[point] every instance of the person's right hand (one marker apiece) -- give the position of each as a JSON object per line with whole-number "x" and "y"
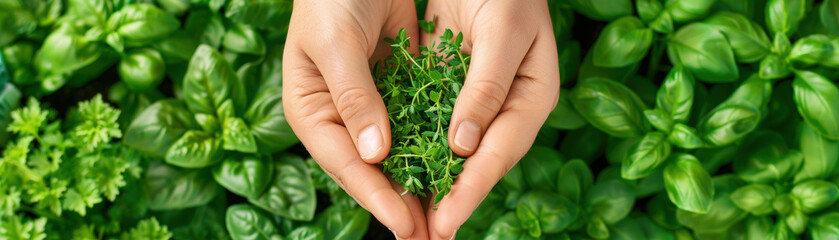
{"x": 332, "y": 104}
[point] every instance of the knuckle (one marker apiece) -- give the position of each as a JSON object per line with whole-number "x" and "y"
{"x": 488, "y": 96}
{"x": 351, "y": 103}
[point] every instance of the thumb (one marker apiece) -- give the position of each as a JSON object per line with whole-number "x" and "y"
{"x": 494, "y": 64}
{"x": 356, "y": 99}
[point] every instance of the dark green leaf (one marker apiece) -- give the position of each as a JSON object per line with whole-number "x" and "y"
{"x": 343, "y": 224}
{"x": 816, "y": 99}
{"x": 575, "y": 179}
{"x": 195, "y": 149}
{"x": 158, "y": 127}
{"x": 172, "y": 188}
{"x": 722, "y": 214}
{"x": 602, "y": 10}
{"x": 291, "y": 193}
{"x": 244, "y": 222}
{"x": 610, "y": 107}
{"x": 825, "y": 226}
{"x": 508, "y": 227}
{"x": 645, "y": 156}
{"x": 564, "y": 116}
{"x": 541, "y": 165}
{"x": 756, "y": 199}
{"x": 623, "y": 42}
{"x": 247, "y": 176}
{"x": 243, "y": 39}
{"x": 209, "y": 81}
{"x": 554, "y": 212}
{"x": 688, "y": 185}
{"x": 765, "y": 158}
{"x": 259, "y": 13}
{"x": 268, "y": 123}
{"x": 140, "y": 24}
{"x": 704, "y": 51}
{"x": 610, "y": 200}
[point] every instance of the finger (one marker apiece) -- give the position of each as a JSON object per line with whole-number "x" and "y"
{"x": 315, "y": 120}
{"x": 508, "y": 138}
{"x": 495, "y": 61}
{"x": 417, "y": 212}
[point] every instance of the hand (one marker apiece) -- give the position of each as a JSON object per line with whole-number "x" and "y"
{"x": 332, "y": 104}
{"x": 511, "y": 87}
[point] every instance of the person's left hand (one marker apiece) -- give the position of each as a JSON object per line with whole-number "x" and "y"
{"x": 511, "y": 87}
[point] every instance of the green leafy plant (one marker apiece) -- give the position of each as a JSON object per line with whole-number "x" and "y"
{"x": 420, "y": 93}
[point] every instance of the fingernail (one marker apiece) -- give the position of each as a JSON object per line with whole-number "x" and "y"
{"x": 369, "y": 141}
{"x": 397, "y": 237}
{"x": 468, "y": 135}
{"x": 453, "y": 235}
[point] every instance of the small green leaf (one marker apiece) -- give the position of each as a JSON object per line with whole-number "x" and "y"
{"x": 142, "y": 69}
{"x": 659, "y": 119}
{"x": 623, "y": 42}
{"x": 783, "y": 16}
{"x": 140, "y": 24}
{"x": 610, "y": 200}
{"x": 245, "y": 222}
{"x": 610, "y": 106}
{"x": 575, "y": 179}
{"x": 728, "y": 123}
{"x": 248, "y": 176}
{"x": 684, "y": 137}
{"x": 825, "y": 226}
{"x": 645, "y": 156}
{"x": 171, "y": 188}
{"x": 756, "y": 199}
{"x": 243, "y": 39}
{"x": 748, "y": 40}
{"x": 554, "y": 212}
{"x": 816, "y": 99}
{"x": 195, "y": 149}
{"x": 291, "y": 193}
{"x": 820, "y": 155}
{"x": 237, "y": 136}
{"x": 811, "y": 50}
{"x": 704, "y": 51}
{"x": 797, "y": 222}
{"x": 688, "y": 185}
{"x": 687, "y": 10}
{"x": 814, "y": 195}
{"x": 675, "y": 96}
{"x": 209, "y": 81}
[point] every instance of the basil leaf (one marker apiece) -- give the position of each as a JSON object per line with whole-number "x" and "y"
{"x": 662, "y": 211}
{"x": 542, "y": 165}
{"x": 659, "y": 119}
{"x": 195, "y": 149}
{"x": 704, "y": 51}
{"x": 9, "y": 100}
{"x": 687, "y": 10}
{"x": 66, "y": 50}
{"x": 209, "y": 81}
{"x": 816, "y": 99}
{"x": 158, "y": 127}
{"x": 602, "y": 10}
{"x": 728, "y": 123}
{"x": 141, "y": 24}
{"x": 773, "y": 67}
{"x": 243, "y": 39}
{"x": 623, "y": 42}
{"x": 811, "y": 50}
{"x": 765, "y": 158}
{"x": 684, "y": 137}
{"x": 722, "y": 214}
{"x": 829, "y": 17}
{"x": 175, "y": 7}
{"x": 268, "y": 123}
{"x": 628, "y": 229}
{"x": 610, "y": 107}
{"x": 259, "y": 13}
{"x": 675, "y": 96}
{"x": 508, "y": 227}
{"x": 597, "y": 229}
{"x": 610, "y": 200}
{"x": 343, "y": 224}
{"x": 569, "y": 59}
{"x": 648, "y": 10}
{"x": 585, "y": 143}
{"x": 91, "y": 12}
{"x": 814, "y": 195}
{"x": 618, "y": 149}
{"x": 244, "y": 222}
{"x": 564, "y": 116}
{"x": 247, "y": 176}
{"x": 553, "y": 212}
{"x": 575, "y": 179}
{"x": 756, "y": 199}
{"x": 237, "y": 136}
{"x": 820, "y": 155}
{"x": 645, "y": 156}
{"x": 589, "y": 71}
{"x": 176, "y": 48}
{"x": 797, "y": 222}
{"x": 758, "y": 228}
{"x": 291, "y": 193}
{"x": 172, "y": 188}
{"x": 783, "y": 16}
{"x": 688, "y": 185}
{"x": 529, "y": 220}
{"x": 206, "y": 27}
{"x": 825, "y": 226}
{"x": 306, "y": 233}
{"x": 514, "y": 179}
{"x": 142, "y": 69}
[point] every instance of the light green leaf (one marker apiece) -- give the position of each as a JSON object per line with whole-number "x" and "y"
{"x": 748, "y": 40}
{"x": 816, "y": 99}
{"x": 704, "y": 51}
{"x": 610, "y": 106}
{"x": 141, "y": 24}
{"x": 247, "y": 176}
{"x": 783, "y": 16}
{"x": 814, "y": 195}
{"x": 291, "y": 193}
{"x": 195, "y": 149}
{"x": 645, "y": 156}
{"x": 171, "y": 188}
{"x": 244, "y": 222}
{"x": 756, "y": 199}
{"x": 237, "y": 136}
{"x": 623, "y": 42}
{"x": 688, "y": 185}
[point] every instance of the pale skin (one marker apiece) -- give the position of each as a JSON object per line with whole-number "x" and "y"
{"x": 332, "y": 104}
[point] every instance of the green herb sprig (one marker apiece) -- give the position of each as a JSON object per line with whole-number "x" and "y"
{"x": 420, "y": 93}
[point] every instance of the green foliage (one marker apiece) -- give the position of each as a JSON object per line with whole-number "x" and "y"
{"x": 420, "y": 93}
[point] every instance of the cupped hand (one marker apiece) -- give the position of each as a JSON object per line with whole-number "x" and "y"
{"x": 331, "y": 102}
{"x": 511, "y": 87}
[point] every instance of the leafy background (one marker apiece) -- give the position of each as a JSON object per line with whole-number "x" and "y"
{"x": 677, "y": 119}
